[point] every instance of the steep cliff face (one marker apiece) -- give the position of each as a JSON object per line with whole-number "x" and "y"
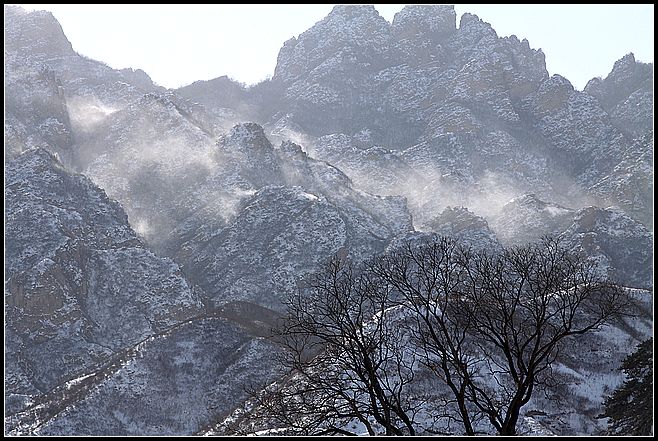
{"x": 80, "y": 284}
{"x": 389, "y": 78}
{"x": 93, "y": 318}
{"x": 43, "y": 71}
{"x": 626, "y": 94}
{"x": 290, "y": 213}
{"x": 35, "y": 108}
{"x": 621, "y": 245}
{"x": 36, "y": 34}
{"x": 460, "y": 111}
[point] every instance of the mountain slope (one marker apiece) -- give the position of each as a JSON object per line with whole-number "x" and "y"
{"x": 79, "y": 282}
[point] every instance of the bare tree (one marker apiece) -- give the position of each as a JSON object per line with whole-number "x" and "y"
{"x": 428, "y": 279}
{"x": 522, "y": 305}
{"x": 489, "y": 325}
{"x": 347, "y": 361}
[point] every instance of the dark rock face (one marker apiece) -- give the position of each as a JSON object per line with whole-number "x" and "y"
{"x": 35, "y": 108}
{"x": 219, "y": 90}
{"x": 626, "y": 94}
{"x": 466, "y": 227}
{"x": 34, "y": 34}
{"x": 80, "y": 284}
{"x": 419, "y": 29}
{"x": 94, "y": 318}
{"x": 620, "y": 245}
{"x": 386, "y": 76}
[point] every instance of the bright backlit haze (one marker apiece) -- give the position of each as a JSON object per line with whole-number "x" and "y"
{"x": 179, "y": 44}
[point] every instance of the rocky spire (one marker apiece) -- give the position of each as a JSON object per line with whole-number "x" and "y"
{"x": 626, "y": 77}
{"x": 435, "y": 22}
{"x": 37, "y": 34}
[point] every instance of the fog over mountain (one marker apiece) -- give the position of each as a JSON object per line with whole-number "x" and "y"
{"x": 153, "y": 236}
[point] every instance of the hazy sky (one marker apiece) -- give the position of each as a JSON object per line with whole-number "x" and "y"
{"x": 179, "y": 44}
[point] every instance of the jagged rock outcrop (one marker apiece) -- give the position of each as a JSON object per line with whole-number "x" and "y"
{"x": 416, "y": 61}
{"x": 218, "y": 93}
{"x": 80, "y": 284}
{"x": 621, "y": 246}
{"x": 528, "y": 218}
{"x": 291, "y": 213}
{"x": 630, "y": 183}
{"x": 36, "y": 112}
{"x": 465, "y": 227}
{"x": 35, "y": 42}
{"x": 35, "y": 34}
{"x": 626, "y": 94}
{"x": 420, "y": 30}
{"x": 460, "y": 102}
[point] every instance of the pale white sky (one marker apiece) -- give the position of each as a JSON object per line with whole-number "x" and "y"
{"x": 179, "y": 44}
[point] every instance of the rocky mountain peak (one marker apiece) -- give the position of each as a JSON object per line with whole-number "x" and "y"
{"x": 526, "y": 218}
{"x": 629, "y": 73}
{"x": 594, "y": 86}
{"x": 464, "y": 225}
{"x": 137, "y": 77}
{"x": 627, "y": 95}
{"x": 37, "y": 33}
{"x": 624, "y": 66}
{"x": 529, "y": 200}
{"x": 348, "y": 32}
{"x": 473, "y": 24}
{"x": 13, "y": 11}
{"x": 354, "y": 11}
{"x": 433, "y": 21}
{"x": 291, "y": 149}
{"x": 250, "y": 135}
{"x": 552, "y": 94}
{"x": 460, "y": 215}
{"x": 357, "y": 24}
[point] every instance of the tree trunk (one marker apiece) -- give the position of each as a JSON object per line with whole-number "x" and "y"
{"x": 509, "y": 426}
{"x": 465, "y": 418}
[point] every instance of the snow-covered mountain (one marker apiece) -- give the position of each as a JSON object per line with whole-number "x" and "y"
{"x": 571, "y": 403}
{"x": 153, "y": 235}
{"x": 92, "y": 314}
{"x": 80, "y": 284}
{"x": 459, "y": 112}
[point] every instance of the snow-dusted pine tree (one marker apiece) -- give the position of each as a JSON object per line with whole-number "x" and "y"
{"x": 630, "y": 408}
